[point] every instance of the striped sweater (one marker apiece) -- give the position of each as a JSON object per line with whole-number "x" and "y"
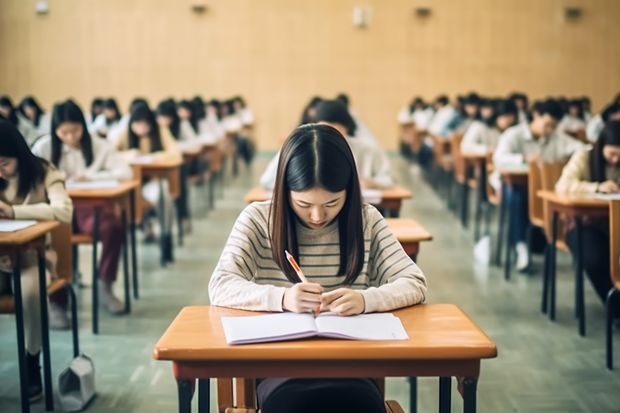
{"x": 247, "y": 277}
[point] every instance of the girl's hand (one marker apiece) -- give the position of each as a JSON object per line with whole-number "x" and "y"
{"x": 6, "y": 211}
{"x": 343, "y": 301}
{"x": 302, "y": 297}
{"x": 608, "y": 187}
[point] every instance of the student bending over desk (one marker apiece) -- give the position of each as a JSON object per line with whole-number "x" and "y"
{"x": 352, "y": 261}
{"x": 590, "y": 171}
{"x": 30, "y": 188}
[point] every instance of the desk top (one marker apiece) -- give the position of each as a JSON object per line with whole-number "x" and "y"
{"x": 396, "y": 192}
{"x": 158, "y": 162}
{"x": 28, "y": 234}
{"x": 572, "y": 200}
{"x": 122, "y": 188}
{"x": 436, "y": 331}
{"x": 408, "y": 230}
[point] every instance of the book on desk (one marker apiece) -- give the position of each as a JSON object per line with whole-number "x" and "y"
{"x": 12, "y": 225}
{"x": 292, "y": 326}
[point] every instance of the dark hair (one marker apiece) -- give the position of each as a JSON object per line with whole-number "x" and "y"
{"x": 609, "y": 136}
{"x": 305, "y": 116}
{"x": 111, "y": 104}
{"x": 31, "y": 101}
{"x": 519, "y": 96}
{"x": 343, "y": 98}
{"x": 317, "y": 156}
{"x": 199, "y": 107}
{"x": 610, "y": 110}
{"x": 442, "y": 100}
{"x": 7, "y": 102}
{"x": 416, "y": 102}
{"x": 96, "y": 103}
{"x": 169, "y": 109}
{"x": 31, "y": 169}
{"x": 335, "y": 112}
{"x": 549, "y": 107}
{"x": 137, "y": 101}
{"x": 193, "y": 120}
{"x": 239, "y": 99}
{"x": 505, "y": 107}
{"x": 576, "y": 103}
{"x": 69, "y": 111}
{"x": 143, "y": 114}
{"x": 218, "y": 107}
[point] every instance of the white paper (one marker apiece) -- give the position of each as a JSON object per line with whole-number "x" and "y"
{"x": 376, "y": 326}
{"x": 613, "y": 197}
{"x": 372, "y": 196}
{"x": 97, "y": 184}
{"x": 12, "y": 225}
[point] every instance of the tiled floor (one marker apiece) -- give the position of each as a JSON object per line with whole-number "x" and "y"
{"x": 542, "y": 366}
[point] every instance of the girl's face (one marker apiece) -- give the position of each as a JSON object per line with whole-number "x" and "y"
{"x": 505, "y": 121}
{"x": 611, "y": 153}
{"x": 8, "y": 167}
{"x": 486, "y": 112}
{"x": 110, "y": 113}
{"x": 30, "y": 112}
{"x": 471, "y": 110}
{"x": 140, "y": 127}
{"x": 573, "y": 111}
{"x": 164, "y": 120}
{"x": 70, "y": 133}
{"x": 316, "y": 208}
{"x": 184, "y": 113}
{"x": 5, "y": 111}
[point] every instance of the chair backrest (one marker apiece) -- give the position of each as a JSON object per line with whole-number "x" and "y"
{"x": 61, "y": 244}
{"x": 549, "y": 175}
{"x": 614, "y": 242}
{"x": 460, "y": 174}
{"x": 534, "y": 203}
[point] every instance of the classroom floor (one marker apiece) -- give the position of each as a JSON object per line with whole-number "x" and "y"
{"x": 542, "y": 366}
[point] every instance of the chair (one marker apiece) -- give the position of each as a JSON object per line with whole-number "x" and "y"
{"x": 237, "y": 395}
{"x": 60, "y": 244}
{"x": 462, "y": 176}
{"x": 614, "y": 292}
{"x": 443, "y": 164}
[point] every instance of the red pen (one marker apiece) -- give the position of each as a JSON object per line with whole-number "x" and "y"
{"x": 300, "y": 274}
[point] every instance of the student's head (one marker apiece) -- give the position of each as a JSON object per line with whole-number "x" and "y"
{"x": 336, "y": 115}
{"x": 545, "y": 117}
{"x": 471, "y": 105}
{"x": 611, "y": 112}
{"x": 506, "y": 114}
{"x": 417, "y": 104}
{"x": 69, "y": 128}
{"x": 520, "y": 99}
{"x": 96, "y": 107}
{"x": 317, "y": 184}
{"x": 214, "y": 108}
{"x": 606, "y": 151}
{"x": 586, "y": 104}
{"x": 574, "y": 108}
{"x": 138, "y": 101}
{"x": 199, "y": 107}
{"x": 239, "y": 103}
{"x": 142, "y": 124}
{"x": 309, "y": 113}
{"x": 343, "y": 98}
{"x": 30, "y": 108}
{"x": 111, "y": 111}
{"x": 16, "y": 160}
{"x": 167, "y": 117}
{"x": 487, "y": 109}
{"x": 7, "y": 110}
{"x": 441, "y": 101}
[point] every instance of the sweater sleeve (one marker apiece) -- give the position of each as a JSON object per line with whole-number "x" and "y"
{"x": 575, "y": 176}
{"x": 232, "y": 282}
{"x": 398, "y": 281}
{"x": 59, "y": 206}
{"x": 473, "y": 140}
{"x": 171, "y": 149}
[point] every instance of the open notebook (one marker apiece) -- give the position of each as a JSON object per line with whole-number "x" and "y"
{"x": 97, "y": 184}
{"x": 290, "y": 326}
{"x": 12, "y": 225}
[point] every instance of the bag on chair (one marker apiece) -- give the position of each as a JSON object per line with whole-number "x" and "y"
{"x": 76, "y": 384}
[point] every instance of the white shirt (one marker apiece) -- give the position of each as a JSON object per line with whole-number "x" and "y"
{"x": 107, "y": 162}
{"x": 363, "y": 133}
{"x": 27, "y": 129}
{"x": 479, "y": 137}
{"x": 571, "y": 124}
{"x": 594, "y": 128}
{"x": 247, "y": 117}
{"x": 45, "y": 124}
{"x": 101, "y": 127}
{"x": 422, "y": 118}
{"x": 440, "y": 121}
{"x": 405, "y": 116}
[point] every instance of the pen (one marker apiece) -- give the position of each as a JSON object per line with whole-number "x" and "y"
{"x": 299, "y": 273}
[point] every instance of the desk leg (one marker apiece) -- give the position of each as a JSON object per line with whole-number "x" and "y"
{"x": 185, "y": 396}
{"x": 132, "y": 235}
{"x": 45, "y": 336}
{"x": 509, "y": 246}
{"x": 126, "y": 263}
{"x": 21, "y": 342}
{"x": 500, "y": 230}
{"x": 469, "y": 395}
{"x": 95, "y": 284}
{"x": 552, "y": 263}
{"x": 445, "y": 389}
{"x": 579, "y": 293}
{"x": 413, "y": 394}
{"x": 165, "y": 232}
{"x": 204, "y": 396}
{"x": 465, "y": 204}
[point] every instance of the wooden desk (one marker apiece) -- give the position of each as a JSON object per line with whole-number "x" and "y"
{"x": 391, "y": 198}
{"x": 443, "y": 342}
{"x": 577, "y": 207}
{"x": 409, "y": 233}
{"x": 125, "y": 194}
{"x": 12, "y": 244}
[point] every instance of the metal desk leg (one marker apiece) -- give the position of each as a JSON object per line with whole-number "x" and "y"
{"x": 126, "y": 263}
{"x": 95, "y": 287}
{"x": 500, "y": 230}
{"x": 445, "y": 390}
{"x": 45, "y": 336}
{"x": 552, "y": 263}
{"x": 204, "y": 395}
{"x": 21, "y": 342}
{"x": 469, "y": 395}
{"x": 132, "y": 235}
{"x": 413, "y": 394}
{"x": 579, "y": 293}
{"x": 185, "y": 396}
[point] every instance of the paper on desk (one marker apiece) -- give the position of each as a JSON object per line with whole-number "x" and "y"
{"x": 100, "y": 184}
{"x": 612, "y": 197}
{"x": 12, "y": 225}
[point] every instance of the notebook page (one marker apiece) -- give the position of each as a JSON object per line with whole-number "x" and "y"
{"x": 99, "y": 184}
{"x": 12, "y": 225}
{"x": 612, "y": 197}
{"x": 376, "y": 326}
{"x": 269, "y": 327}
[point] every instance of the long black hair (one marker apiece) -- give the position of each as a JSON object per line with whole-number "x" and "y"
{"x": 168, "y": 109}
{"x": 609, "y": 136}
{"x": 8, "y": 103}
{"x": 69, "y": 111}
{"x": 334, "y": 111}
{"x": 317, "y": 156}
{"x": 31, "y": 169}
{"x": 111, "y": 104}
{"x": 193, "y": 119}
{"x": 144, "y": 114}
{"x": 32, "y": 102}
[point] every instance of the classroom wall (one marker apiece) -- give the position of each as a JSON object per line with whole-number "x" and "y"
{"x": 278, "y": 53}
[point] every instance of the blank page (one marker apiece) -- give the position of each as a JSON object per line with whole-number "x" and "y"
{"x": 11, "y": 225}
{"x": 270, "y": 327}
{"x": 376, "y": 326}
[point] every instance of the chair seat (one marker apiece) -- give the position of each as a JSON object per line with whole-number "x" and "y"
{"x": 81, "y": 239}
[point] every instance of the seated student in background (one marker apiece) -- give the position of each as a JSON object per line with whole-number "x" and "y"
{"x": 30, "y": 188}
{"x": 244, "y": 113}
{"x": 80, "y": 157}
{"x": 362, "y": 132}
{"x": 372, "y": 163}
{"x": 521, "y": 100}
{"x": 308, "y": 115}
{"x": 468, "y": 113}
{"x": 586, "y": 107}
{"x": 444, "y": 114}
{"x": 96, "y": 109}
{"x": 352, "y": 261}
{"x": 9, "y": 113}
{"x": 144, "y": 137}
{"x": 573, "y": 122}
{"x": 482, "y": 135}
{"x": 234, "y": 130}
{"x": 31, "y": 110}
{"x": 212, "y": 126}
{"x": 595, "y": 125}
{"x": 538, "y": 140}
{"x": 118, "y": 129}
{"x": 106, "y": 121}
{"x": 589, "y": 171}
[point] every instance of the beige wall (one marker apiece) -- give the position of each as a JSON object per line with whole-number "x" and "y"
{"x": 280, "y": 52}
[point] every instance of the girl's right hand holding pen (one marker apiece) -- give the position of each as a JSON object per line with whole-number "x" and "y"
{"x": 302, "y": 297}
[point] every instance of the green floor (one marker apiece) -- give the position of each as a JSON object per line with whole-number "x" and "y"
{"x": 542, "y": 366}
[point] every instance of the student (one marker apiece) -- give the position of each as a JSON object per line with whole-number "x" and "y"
{"x": 31, "y": 110}
{"x": 468, "y": 113}
{"x": 610, "y": 113}
{"x": 72, "y": 150}
{"x": 373, "y": 165}
{"x": 96, "y": 109}
{"x": 521, "y": 100}
{"x": 245, "y": 113}
{"x": 30, "y": 188}
{"x": 144, "y": 137}
{"x": 589, "y": 171}
{"x": 25, "y": 127}
{"x": 351, "y": 259}
{"x": 106, "y": 121}
{"x": 573, "y": 122}
{"x": 482, "y": 135}
{"x": 362, "y": 132}
{"x": 527, "y": 142}
{"x": 309, "y": 112}
{"x": 119, "y": 128}
{"x": 444, "y": 114}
